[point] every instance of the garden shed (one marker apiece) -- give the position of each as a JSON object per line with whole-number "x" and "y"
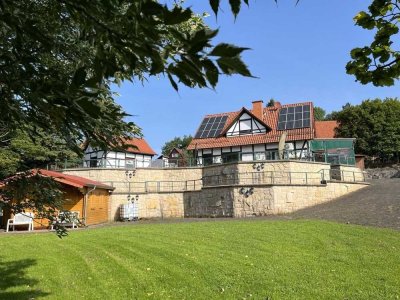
{"x": 89, "y": 198}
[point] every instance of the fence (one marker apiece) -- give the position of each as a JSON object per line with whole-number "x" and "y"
{"x": 114, "y": 163}
{"x": 268, "y": 177}
{"x": 123, "y": 187}
{"x": 245, "y": 178}
{"x": 282, "y": 177}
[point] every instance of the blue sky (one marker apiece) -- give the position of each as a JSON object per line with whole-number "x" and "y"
{"x": 298, "y": 52}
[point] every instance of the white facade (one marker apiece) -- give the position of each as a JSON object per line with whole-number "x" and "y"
{"x": 246, "y": 125}
{"x": 115, "y": 159}
{"x": 293, "y": 150}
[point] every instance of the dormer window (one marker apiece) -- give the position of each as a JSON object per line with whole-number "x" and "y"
{"x": 245, "y": 125}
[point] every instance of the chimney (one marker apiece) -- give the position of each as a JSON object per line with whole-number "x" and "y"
{"x": 258, "y": 109}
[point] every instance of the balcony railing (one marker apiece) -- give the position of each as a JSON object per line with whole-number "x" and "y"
{"x": 244, "y": 178}
{"x": 270, "y": 155}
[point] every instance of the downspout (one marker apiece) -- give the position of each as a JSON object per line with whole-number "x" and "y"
{"x": 85, "y": 200}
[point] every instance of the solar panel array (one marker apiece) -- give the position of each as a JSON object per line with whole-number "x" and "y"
{"x": 211, "y": 127}
{"x": 294, "y": 117}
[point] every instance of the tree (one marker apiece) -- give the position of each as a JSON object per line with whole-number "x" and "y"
{"x": 375, "y": 125}
{"x": 319, "y": 113}
{"x": 21, "y": 152}
{"x": 59, "y": 59}
{"x": 379, "y": 62}
{"x": 271, "y": 102}
{"x": 176, "y": 142}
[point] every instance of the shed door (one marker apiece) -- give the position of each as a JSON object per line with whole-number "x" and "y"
{"x": 97, "y": 207}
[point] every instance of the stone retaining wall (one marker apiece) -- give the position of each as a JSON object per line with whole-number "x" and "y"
{"x": 264, "y": 199}
{"x": 283, "y": 195}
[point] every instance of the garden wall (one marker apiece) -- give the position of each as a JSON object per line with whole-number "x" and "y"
{"x": 178, "y": 192}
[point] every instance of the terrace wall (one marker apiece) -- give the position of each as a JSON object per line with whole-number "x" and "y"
{"x": 278, "y": 187}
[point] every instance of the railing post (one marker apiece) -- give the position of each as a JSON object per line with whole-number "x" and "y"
{"x": 306, "y": 178}
{"x": 354, "y": 177}
{"x": 158, "y": 186}
{"x": 290, "y": 177}
{"x": 145, "y": 187}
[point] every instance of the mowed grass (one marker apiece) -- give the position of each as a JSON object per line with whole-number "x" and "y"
{"x": 249, "y": 259}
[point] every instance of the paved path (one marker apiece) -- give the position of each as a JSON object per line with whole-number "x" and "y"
{"x": 375, "y": 205}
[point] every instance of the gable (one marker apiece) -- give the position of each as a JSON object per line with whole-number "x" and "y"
{"x": 246, "y": 124}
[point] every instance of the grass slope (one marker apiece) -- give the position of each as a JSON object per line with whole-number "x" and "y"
{"x": 254, "y": 259}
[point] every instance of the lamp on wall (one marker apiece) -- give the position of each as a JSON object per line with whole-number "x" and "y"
{"x": 246, "y": 191}
{"x": 133, "y": 198}
{"x": 258, "y": 166}
{"x": 130, "y": 173}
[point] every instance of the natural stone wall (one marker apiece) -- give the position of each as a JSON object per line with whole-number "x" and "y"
{"x": 141, "y": 174}
{"x": 161, "y": 205}
{"x": 213, "y": 202}
{"x": 264, "y": 199}
{"x": 260, "y": 203}
{"x": 288, "y": 199}
{"x": 285, "y": 193}
{"x": 387, "y": 172}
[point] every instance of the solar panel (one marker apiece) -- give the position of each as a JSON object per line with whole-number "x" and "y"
{"x": 211, "y": 127}
{"x": 294, "y": 117}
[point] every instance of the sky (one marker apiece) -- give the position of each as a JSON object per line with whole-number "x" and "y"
{"x": 299, "y": 53}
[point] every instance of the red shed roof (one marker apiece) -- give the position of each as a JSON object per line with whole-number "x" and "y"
{"x": 325, "y": 129}
{"x": 75, "y": 181}
{"x": 270, "y": 118}
{"x": 139, "y": 146}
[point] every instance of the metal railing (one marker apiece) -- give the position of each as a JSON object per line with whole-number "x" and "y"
{"x": 245, "y": 178}
{"x": 347, "y": 176}
{"x": 266, "y": 177}
{"x": 283, "y": 177}
{"x": 122, "y": 187}
{"x": 112, "y": 163}
{"x": 269, "y": 155}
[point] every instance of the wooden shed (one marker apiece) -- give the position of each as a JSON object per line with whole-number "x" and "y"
{"x": 91, "y": 199}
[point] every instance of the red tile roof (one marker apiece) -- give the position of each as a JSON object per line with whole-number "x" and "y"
{"x": 180, "y": 152}
{"x": 75, "y": 181}
{"x": 270, "y": 118}
{"x": 139, "y": 146}
{"x": 325, "y": 129}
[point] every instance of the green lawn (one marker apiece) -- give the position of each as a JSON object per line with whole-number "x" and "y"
{"x": 251, "y": 259}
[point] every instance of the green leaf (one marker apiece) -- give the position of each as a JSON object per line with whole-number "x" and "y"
{"x": 233, "y": 65}
{"x": 211, "y": 72}
{"x": 215, "y": 6}
{"x": 235, "y": 6}
{"x": 227, "y": 50}
{"x": 177, "y": 15}
{"x": 173, "y": 83}
{"x": 79, "y": 77}
{"x": 157, "y": 64}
